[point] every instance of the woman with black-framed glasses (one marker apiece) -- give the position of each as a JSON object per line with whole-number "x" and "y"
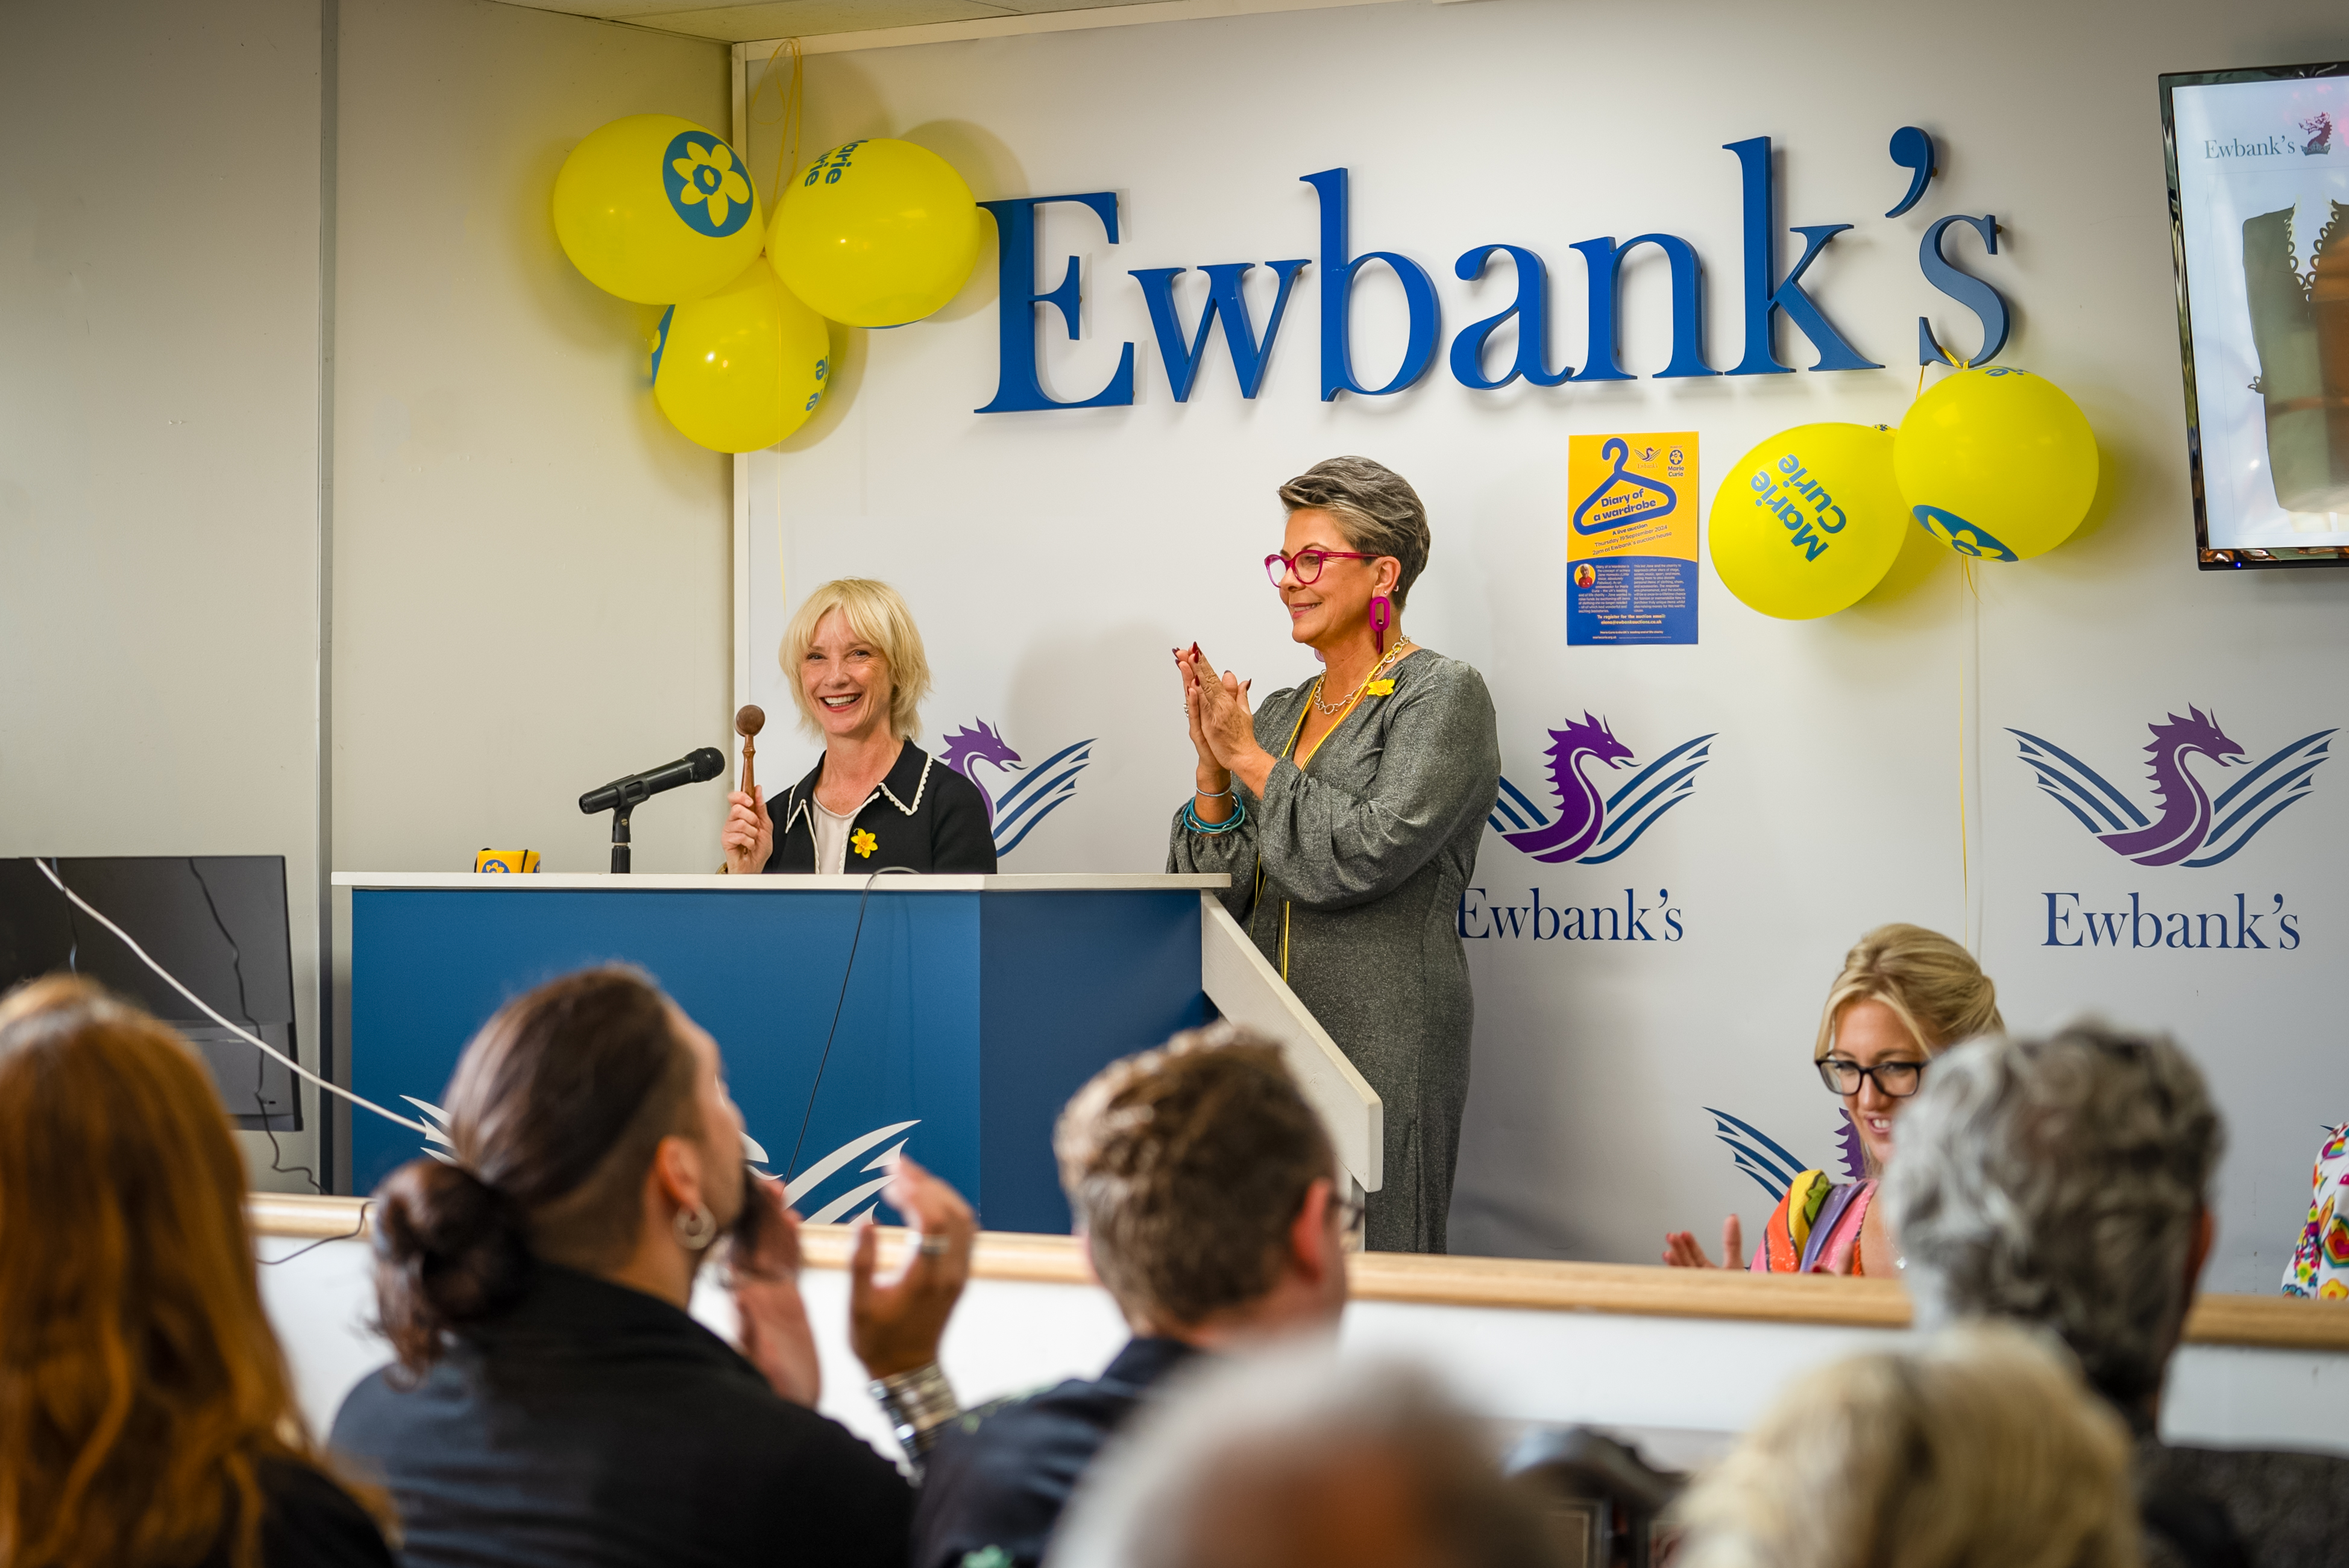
{"x": 1349, "y": 809}
{"x": 1906, "y": 994}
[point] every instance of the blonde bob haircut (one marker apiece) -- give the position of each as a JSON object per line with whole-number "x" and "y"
{"x": 876, "y": 615}
{"x": 1933, "y": 985}
{"x": 1984, "y": 1446}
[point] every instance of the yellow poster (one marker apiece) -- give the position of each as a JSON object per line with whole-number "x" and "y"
{"x": 1630, "y": 541}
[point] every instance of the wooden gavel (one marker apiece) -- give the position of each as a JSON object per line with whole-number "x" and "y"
{"x": 748, "y": 719}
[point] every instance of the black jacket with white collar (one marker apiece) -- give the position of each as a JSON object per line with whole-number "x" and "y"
{"x": 924, "y": 816}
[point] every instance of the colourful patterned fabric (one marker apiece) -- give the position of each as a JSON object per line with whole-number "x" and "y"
{"x": 2320, "y": 1263}
{"x": 1814, "y": 1228}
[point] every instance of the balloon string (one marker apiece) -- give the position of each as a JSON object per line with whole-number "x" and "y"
{"x": 1965, "y": 848}
{"x": 788, "y": 98}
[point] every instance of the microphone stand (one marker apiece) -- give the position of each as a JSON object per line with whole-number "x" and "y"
{"x": 620, "y": 837}
{"x": 630, "y": 799}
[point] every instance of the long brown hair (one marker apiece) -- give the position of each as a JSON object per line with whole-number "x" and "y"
{"x": 555, "y": 1115}
{"x": 140, "y": 1385}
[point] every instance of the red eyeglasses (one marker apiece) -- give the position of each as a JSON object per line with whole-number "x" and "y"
{"x": 1307, "y": 563}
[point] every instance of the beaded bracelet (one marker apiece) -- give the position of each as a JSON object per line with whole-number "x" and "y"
{"x": 1191, "y": 816}
{"x": 918, "y": 1404}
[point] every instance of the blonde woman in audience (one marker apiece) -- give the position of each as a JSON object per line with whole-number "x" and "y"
{"x": 1904, "y": 996}
{"x": 1984, "y": 1450}
{"x": 147, "y": 1419}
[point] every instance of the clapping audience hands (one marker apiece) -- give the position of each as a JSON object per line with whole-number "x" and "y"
{"x": 895, "y": 1324}
{"x": 1681, "y": 1252}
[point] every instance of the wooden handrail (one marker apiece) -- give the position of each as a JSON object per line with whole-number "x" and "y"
{"x": 2270, "y": 1322}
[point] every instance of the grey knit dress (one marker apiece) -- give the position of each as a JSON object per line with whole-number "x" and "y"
{"x": 1362, "y": 856}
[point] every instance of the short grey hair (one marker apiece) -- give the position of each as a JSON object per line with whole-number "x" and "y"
{"x": 1376, "y": 509}
{"x": 1256, "y": 1461}
{"x": 2059, "y": 1182}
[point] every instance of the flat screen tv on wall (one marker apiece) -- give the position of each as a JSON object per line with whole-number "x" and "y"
{"x": 2259, "y": 216}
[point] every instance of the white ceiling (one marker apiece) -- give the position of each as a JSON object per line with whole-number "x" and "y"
{"x": 743, "y": 21}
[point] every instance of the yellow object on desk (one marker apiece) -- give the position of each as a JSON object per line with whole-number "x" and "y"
{"x": 509, "y": 860}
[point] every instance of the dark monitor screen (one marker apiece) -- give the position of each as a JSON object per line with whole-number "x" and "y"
{"x": 2258, "y": 211}
{"x": 216, "y": 922}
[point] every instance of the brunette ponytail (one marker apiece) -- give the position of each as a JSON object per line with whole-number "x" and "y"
{"x": 556, "y": 1108}
{"x": 450, "y": 1249}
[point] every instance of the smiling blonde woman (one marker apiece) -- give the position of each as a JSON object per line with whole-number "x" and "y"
{"x": 1904, "y": 996}
{"x": 874, "y": 799}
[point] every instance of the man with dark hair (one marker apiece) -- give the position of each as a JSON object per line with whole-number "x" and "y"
{"x": 1208, "y": 1196}
{"x": 2066, "y": 1181}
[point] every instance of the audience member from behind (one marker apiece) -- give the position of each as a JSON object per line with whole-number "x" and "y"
{"x": 1207, "y": 1194}
{"x": 1982, "y": 1450}
{"x": 2065, "y": 1182}
{"x": 1297, "y": 1460}
{"x": 1904, "y": 996}
{"x": 147, "y": 1419}
{"x": 553, "y": 1402}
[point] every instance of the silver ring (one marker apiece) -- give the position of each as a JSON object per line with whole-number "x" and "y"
{"x": 935, "y": 1246}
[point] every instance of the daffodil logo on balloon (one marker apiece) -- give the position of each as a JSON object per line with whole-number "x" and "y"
{"x": 1965, "y": 538}
{"x": 705, "y": 185}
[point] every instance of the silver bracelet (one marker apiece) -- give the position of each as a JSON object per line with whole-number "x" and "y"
{"x": 918, "y": 1404}
{"x": 1227, "y": 792}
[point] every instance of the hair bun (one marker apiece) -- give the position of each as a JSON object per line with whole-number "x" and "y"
{"x": 449, "y": 1250}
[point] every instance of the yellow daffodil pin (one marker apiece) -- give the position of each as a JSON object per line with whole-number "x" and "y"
{"x": 863, "y": 842}
{"x": 1380, "y": 688}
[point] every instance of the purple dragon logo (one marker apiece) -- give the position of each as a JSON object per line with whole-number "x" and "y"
{"x": 2190, "y": 819}
{"x": 1586, "y": 820}
{"x": 1042, "y": 791}
{"x": 1775, "y": 1166}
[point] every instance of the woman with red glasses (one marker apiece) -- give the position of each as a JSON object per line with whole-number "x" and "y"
{"x": 1347, "y": 810}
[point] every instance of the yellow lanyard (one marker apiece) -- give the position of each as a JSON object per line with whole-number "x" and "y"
{"x": 1303, "y": 714}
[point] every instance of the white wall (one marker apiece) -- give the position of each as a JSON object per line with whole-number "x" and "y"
{"x": 159, "y": 434}
{"x": 530, "y": 568}
{"x": 1054, "y": 557}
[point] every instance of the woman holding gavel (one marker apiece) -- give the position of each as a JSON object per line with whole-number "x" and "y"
{"x": 874, "y": 799}
{"x": 1349, "y": 810}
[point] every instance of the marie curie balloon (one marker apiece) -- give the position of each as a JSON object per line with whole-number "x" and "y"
{"x": 1997, "y": 463}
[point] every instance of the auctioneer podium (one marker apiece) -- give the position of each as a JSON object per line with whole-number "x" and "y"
{"x": 974, "y": 1007}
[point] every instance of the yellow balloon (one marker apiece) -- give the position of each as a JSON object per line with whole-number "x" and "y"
{"x": 1997, "y": 463}
{"x": 1809, "y": 520}
{"x": 744, "y": 368}
{"x": 875, "y": 234}
{"x": 655, "y": 209}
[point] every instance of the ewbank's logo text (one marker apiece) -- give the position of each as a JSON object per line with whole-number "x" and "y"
{"x": 2253, "y": 925}
{"x": 1535, "y": 921}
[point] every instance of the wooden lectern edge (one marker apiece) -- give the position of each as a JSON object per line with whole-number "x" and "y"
{"x": 2264, "y": 1322}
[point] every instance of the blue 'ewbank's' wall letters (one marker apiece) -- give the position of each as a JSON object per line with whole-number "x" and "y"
{"x": 1766, "y": 296}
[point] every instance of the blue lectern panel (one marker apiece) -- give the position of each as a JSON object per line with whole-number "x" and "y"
{"x": 970, "y": 1017}
{"x": 1074, "y": 981}
{"x": 760, "y": 971}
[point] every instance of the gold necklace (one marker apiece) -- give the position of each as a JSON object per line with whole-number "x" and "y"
{"x": 1392, "y": 654}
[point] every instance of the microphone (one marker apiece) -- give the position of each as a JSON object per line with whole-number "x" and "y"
{"x": 693, "y": 767}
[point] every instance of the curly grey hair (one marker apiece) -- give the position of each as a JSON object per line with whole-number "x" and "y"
{"x": 2061, "y": 1181}
{"x": 1376, "y": 509}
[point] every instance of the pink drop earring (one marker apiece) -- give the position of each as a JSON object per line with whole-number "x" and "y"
{"x": 1382, "y": 617}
